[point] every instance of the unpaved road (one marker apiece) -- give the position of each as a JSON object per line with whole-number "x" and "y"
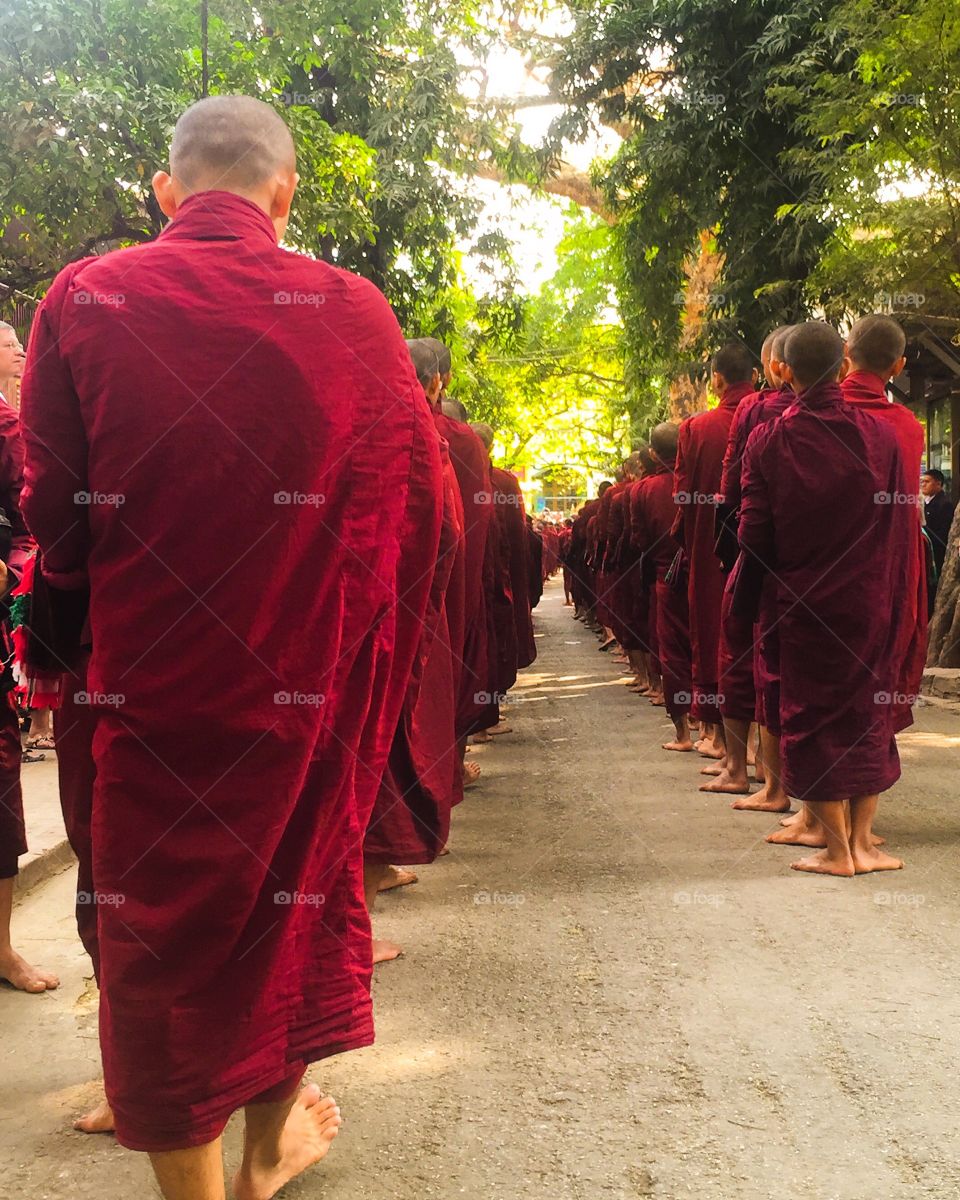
{"x": 613, "y": 988}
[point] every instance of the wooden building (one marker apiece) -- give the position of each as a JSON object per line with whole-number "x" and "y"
{"x": 930, "y": 388}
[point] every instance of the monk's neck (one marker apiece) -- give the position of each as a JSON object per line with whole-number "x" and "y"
{"x": 733, "y": 394}
{"x": 865, "y": 385}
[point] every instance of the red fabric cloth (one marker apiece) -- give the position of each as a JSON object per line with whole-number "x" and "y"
{"x": 653, "y": 514}
{"x": 702, "y": 445}
{"x": 743, "y": 675}
{"x": 809, "y": 515}
{"x": 472, "y": 467}
{"x": 255, "y": 602}
{"x": 868, "y": 392}
{"x": 509, "y": 505}
{"x": 410, "y": 822}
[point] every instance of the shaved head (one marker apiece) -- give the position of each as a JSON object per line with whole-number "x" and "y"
{"x": 453, "y": 409}
{"x": 875, "y": 344}
{"x": 230, "y": 143}
{"x": 663, "y": 442}
{"x": 424, "y": 361}
{"x": 442, "y": 353}
{"x": 483, "y": 431}
{"x": 778, "y": 340}
{"x": 814, "y": 352}
{"x": 734, "y": 362}
{"x": 604, "y": 487}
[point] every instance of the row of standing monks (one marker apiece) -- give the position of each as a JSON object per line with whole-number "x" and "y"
{"x": 270, "y": 628}
{"x": 764, "y": 564}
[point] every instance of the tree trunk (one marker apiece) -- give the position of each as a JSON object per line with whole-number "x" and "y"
{"x": 944, "y": 645}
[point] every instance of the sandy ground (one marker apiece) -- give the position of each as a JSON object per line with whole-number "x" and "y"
{"x": 612, "y": 988}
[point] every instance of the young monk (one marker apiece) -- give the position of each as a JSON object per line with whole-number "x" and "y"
{"x": 242, "y": 762}
{"x": 810, "y": 517}
{"x": 874, "y": 354}
{"x": 700, "y": 451}
{"x": 653, "y": 518}
{"x": 738, "y": 637}
{"x": 410, "y": 821}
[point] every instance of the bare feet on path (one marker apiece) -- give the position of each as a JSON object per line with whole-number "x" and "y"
{"x": 728, "y": 784}
{"x": 763, "y": 801}
{"x": 313, "y": 1123}
{"x": 398, "y": 877}
{"x": 24, "y": 977}
{"x": 97, "y": 1120}
{"x": 825, "y": 863}
{"x": 384, "y": 951}
{"x": 683, "y": 747}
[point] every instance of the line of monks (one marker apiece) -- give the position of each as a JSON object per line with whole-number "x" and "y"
{"x": 268, "y": 628}
{"x": 763, "y": 566}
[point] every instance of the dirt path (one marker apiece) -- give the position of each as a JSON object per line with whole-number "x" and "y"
{"x": 612, "y": 987}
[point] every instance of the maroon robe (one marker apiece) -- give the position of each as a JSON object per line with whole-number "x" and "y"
{"x": 809, "y": 517}
{"x": 652, "y": 519}
{"x": 748, "y": 677}
{"x": 264, "y": 485}
{"x": 13, "y": 841}
{"x": 702, "y": 444}
{"x": 868, "y": 392}
{"x": 422, "y": 781}
{"x": 472, "y": 467}
{"x": 509, "y": 505}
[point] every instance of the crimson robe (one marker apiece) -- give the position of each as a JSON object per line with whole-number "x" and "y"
{"x": 422, "y": 781}
{"x": 509, "y": 505}
{"x": 810, "y": 518}
{"x": 652, "y": 519}
{"x": 700, "y": 451}
{"x": 13, "y": 840}
{"x": 228, "y": 442}
{"x": 472, "y": 467}
{"x": 868, "y": 392}
{"x": 747, "y": 651}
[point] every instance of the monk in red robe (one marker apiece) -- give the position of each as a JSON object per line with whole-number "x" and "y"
{"x": 811, "y": 518}
{"x": 410, "y": 822}
{"x": 653, "y": 518}
{"x": 257, "y": 587}
{"x": 702, "y": 444}
{"x": 13, "y": 843}
{"x": 874, "y": 355}
{"x": 738, "y": 640}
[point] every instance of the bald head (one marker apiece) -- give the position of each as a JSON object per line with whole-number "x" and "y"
{"x": 443, "y": 356}
{"x": 604, "y": 487}
{"x": 424, "y": 359}
{"x": 876, "y": 344}
{"x": 814, "y": 354}
{"x": 663, "y": 442}
{"x": 232, "y": 144}
{"x": 453, "y": 409}
{"x": 734, "y": 363}
{"x": 483, "y": 431}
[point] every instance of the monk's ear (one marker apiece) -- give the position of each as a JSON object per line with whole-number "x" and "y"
{"x": 163, "y": 189}
{"x": 433, "y": 391}
{"x": 786, "y": 373}
{"x": 286, "y": 185}
{"x": 898, "y": 366}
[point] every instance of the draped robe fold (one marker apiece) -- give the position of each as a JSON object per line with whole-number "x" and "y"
{"x": 264, "y": 495}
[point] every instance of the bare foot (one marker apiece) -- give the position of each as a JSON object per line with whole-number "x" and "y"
{"x": 97, "y": 1120}
{"x": 795, "y": 835}
{"x": 25, "y": 978}
{"x": 711, "y": 750}
{"x": 657, "y": 700}
{"x": 481, "y": 737}
{"x": 712, "y": 769}
{"x": 761, "y": 802}
{"x": 384, "y": 951}
{"x": 471, "y": 774}
{"x": 874, "y": 860}
{"x": 792, "y": 819}
{"x": 498, "y": 729}
{"x": 313, "y": 1123}
{"x": 683, "y": 747}
{"x": 823, "y": 863}
{"x": 397, "y": 877}
{"x": 728, "y": 784}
